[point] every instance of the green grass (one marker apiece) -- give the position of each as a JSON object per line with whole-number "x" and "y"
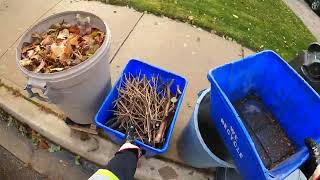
{"x": 256, "y": 24}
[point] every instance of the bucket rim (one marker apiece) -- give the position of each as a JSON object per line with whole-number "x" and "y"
{"x": 196, "y": 124}
{"x": 75, "y": 70}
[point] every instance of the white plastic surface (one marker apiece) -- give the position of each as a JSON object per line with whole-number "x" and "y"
{"x": 80, "y": 90}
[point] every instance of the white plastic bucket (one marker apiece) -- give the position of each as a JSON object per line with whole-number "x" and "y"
{"x": 80, "y": 90}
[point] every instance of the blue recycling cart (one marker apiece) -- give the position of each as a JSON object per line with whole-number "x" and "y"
{"x": 136, "y": 67}
{"x": 293, "y": 103}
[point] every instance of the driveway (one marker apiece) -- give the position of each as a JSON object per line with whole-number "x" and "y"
{"x": 304, "y": 12}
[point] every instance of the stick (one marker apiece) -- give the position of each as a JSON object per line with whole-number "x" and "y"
{"x": 163, "y": 124}
{"x": 145, "y": 104}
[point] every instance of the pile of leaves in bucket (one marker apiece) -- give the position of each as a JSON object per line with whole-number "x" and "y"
{"x": 146, "y": 104}
{"x": 62, "y": 46}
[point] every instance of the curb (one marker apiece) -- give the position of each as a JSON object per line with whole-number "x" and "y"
{"x": 53, "y": 128}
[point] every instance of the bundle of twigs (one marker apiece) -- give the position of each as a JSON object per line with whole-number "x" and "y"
{"x": 147, "y": 105}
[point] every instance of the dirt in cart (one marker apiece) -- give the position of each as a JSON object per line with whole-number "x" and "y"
{"x": 270, "y": 140}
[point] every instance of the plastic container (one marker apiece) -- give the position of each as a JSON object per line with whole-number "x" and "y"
{"x": 135, "y": 67}
{"x": 307, "y": 64}
{"x": 227, "y": 174}
{"x": 232, "y": 174}
{"x": 200, "y": 145}
{"x": 293, "y": 103}
{"x": 77, "y": 91}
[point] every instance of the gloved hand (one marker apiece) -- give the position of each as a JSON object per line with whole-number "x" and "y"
{"x": 314, "y": 163}
{"x": 316, "y": 174}
{"x": 128, "y": 145}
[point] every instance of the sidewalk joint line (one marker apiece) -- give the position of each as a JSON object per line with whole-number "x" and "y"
{"x": 30, "y": 27}
{"x": 115, "y": 54}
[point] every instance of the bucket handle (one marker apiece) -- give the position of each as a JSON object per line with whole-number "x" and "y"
{"x": 39, "y": 85}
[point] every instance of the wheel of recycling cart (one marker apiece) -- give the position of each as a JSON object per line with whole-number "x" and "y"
{"x": 315, "y": 5}
{"x": 314, "y": 47}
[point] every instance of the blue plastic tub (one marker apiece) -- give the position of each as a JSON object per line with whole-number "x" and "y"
{"x": 293, "y": 103}
{"x": 135, "y": 67}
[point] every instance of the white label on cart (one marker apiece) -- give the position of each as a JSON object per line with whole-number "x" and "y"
{"x": 233, "y": 137}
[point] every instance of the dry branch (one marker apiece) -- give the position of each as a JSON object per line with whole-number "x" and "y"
{"x": 146, "y": 104}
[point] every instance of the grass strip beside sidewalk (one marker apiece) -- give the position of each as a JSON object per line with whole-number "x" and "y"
{"x": 256, "y": 24}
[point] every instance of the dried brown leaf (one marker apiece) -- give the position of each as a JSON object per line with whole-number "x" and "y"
{"x": 48, "y": 40}
{"x": 55, "y": 26}
{"x": 57, "y": 50}
{"x": 40, "y": 67}
{"x": 92, "y": 49}
{"x": 74, "y": 29}
{"x": 68, "y": 50}
{"x": 25, "y": 62}
{"x": 35, "y": 57}
{"x": 62, "y": 46}
{"x": 27, "y": 48}
{"x": 73, "y": 40}
{"x": 76, "y": 61}
{"x": 56, "y": 69}
{"x": 88, "y": 40}
{"x": 30, "y": 53}
{"x": 99, "y": 39}
{"x": 43, "y": 144}
{"x": 37, "y": 49}
{"x": 64, "y": 34}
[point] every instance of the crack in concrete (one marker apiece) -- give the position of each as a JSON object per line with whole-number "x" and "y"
{"x": 115, "y": 54}
{"x": 32, "y": 24}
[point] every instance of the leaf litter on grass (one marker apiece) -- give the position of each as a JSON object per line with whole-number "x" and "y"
{"x": 62, "y": 46}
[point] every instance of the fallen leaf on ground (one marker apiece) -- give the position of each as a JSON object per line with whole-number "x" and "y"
{"x": 190, "y": 18}
{"x": 64, "y": 163}
{"x": 54, "y": 148}
{"x": 43, "y": 144}
{"x": 77, "y": 160}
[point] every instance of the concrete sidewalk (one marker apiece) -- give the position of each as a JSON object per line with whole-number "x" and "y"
{"x": 302, "y": 9}
{"x": 175, "y": 46}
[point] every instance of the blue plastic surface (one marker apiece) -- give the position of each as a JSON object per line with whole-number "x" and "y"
{"x": 293, "y": 103}
{"x": 135, "y": 67}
